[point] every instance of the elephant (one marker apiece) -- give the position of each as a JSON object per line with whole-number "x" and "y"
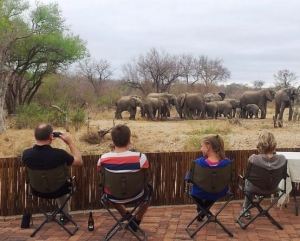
{"x": 211, "y": 109}
{"x": 224, "y": 108}
{"x": 251, "y": 110}
{"x": 214, "y": 97}
{"x": 258, "y": 97}
{"x": 172, "y": 100}
{"x": 129, "y": 103}
{"x": 235, "y": 104}
{"x": 284, "y": 98}
{"x": 191, "y": 103}
{"x": 153, "y": 104}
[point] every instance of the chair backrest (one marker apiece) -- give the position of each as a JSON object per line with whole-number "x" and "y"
{"x": 48, "y": 180}
{"x": 124, "y": 185}
{"x": 210, "y": 179}
{"x": 265, "y": 179}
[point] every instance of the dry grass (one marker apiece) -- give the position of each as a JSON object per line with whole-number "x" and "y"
{"x": 158, "y": 136}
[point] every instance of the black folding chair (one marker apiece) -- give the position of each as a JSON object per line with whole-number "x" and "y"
{"x": 51, "y": 184}
{"x": 125, "y": 186}
{"x": 211, "y": 180}
{"x": 267, "y": 180}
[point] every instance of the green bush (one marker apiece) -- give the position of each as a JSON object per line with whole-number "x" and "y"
{"x": 106, "y": 101}
{"x": 78, "y": 118}
{"x": 29, "y": 116}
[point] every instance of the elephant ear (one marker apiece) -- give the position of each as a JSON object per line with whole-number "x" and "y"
{"x": 292, "y": 92}
{"x": 222, "y": 94}
{"x": 165, "y": 101}
{"x": 207, "y": 99}
{"x": 269, "y": 94}
{"x": 172, "y": 100}
{"x": 182, "y": 99}
{"x": 132, "y": 101}
{"x": 286, "y": 97}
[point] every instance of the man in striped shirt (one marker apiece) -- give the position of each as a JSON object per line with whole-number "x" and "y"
{"x": 124, "y": 160}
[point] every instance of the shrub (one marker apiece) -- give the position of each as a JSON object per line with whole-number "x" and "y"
{"x": 91, "y": 138}
{"x": 29, "y": 116}
{"x": 78, "y": 118}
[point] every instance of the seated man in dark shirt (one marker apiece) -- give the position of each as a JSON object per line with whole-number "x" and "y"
{"x": 42, "y": 156}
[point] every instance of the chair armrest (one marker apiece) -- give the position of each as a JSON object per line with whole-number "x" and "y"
{"x": 241, "y": 186}
{"x": 187, "y": 186}
{"x": 73, "y": 182}
{"x": 240, "y": 176}
{"x": 28, "y": 190}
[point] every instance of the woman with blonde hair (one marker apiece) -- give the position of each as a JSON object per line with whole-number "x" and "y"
{"x": 267, "y": 158}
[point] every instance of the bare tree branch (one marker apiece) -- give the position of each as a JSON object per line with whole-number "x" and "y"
{"x": 284, "y": 78}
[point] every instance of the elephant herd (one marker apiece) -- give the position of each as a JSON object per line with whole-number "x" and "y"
{"x": 211, "y": 105}
{"x": 156, "y": 104}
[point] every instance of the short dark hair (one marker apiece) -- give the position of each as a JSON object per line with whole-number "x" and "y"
{"x": 120, "y": 135}
{"x": 43, "y": 131}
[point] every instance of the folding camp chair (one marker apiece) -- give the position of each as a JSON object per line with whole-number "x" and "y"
{"x": 267, "y": 180}
{"x": 211, "y": 180}
{"x": 125, "y": 186}
{"x": 51, "y": 184}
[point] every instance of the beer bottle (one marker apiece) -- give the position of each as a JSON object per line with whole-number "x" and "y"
{"x": 91, "y": 222}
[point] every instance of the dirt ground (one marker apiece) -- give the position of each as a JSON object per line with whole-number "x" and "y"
{"x": 161, "y": 136}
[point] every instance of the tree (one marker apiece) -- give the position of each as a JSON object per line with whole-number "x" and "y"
{"x": 284, "y": 78}
{"x": 10, "y": 32}
{"x": 96, "y": 72}
{"x": 133, "y": 79}
{"x": 47, "y": 48}
{"x": 186, "y": 61}
{"x": 258, "y": 84}
{"x": 209, "y": 71}
{"x": 164, "y": 70}
{"x": 235, "y": 90}
{"x": 160, "y": 68}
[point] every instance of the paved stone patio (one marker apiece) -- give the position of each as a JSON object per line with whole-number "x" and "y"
{"x": 163, "y": 223}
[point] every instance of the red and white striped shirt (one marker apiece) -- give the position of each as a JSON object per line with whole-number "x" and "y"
{"x": 127, "y": 161}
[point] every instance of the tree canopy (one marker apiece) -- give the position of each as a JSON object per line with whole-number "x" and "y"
{"x": 284, "y": 78}
{"x": 34, "y": 44}
{"x": 258, "y": 84}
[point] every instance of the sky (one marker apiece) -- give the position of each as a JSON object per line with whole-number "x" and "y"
{"x": 254, "y": 38}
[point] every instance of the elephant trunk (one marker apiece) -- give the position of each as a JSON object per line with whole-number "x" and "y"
{"x": 142, "y": 110}
{"x": 178, "y": 108}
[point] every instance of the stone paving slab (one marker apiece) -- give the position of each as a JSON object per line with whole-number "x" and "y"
{"x": 163, "y": 223}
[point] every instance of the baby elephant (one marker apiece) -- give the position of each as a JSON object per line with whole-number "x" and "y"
{"x": 251, "y": 110}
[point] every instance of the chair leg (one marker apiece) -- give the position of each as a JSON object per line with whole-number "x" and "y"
{"x": 295, "y": 199}
{"x": 245, "y": 225}
{"x": 71, "y": 233}
{"x": 39, "y": 227}
{"x": 119, "y": 225}
{"x": 193, "y": 233}
{"x": 274, "y": 222}
{"x": 261, "y": 211}
{"x": 209, "y": 218}
{"x": 224, "y": 228}
{"x": 52, "y": 218}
